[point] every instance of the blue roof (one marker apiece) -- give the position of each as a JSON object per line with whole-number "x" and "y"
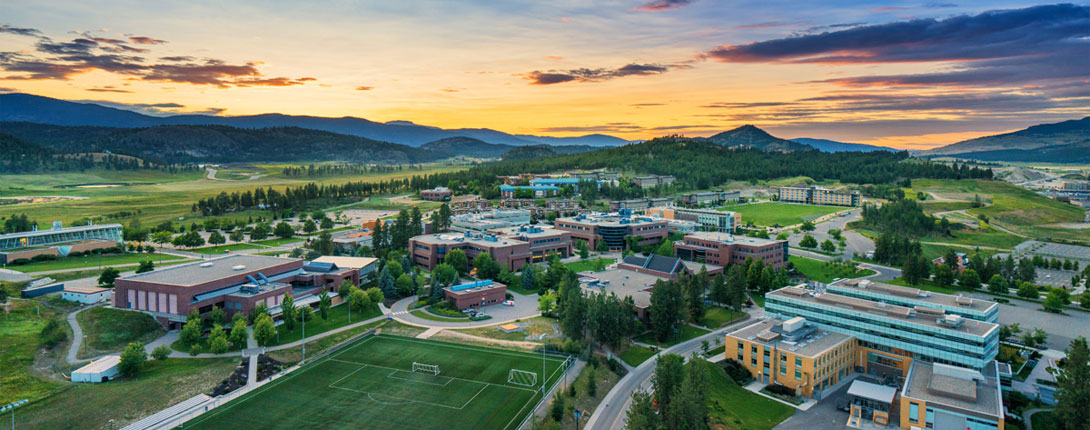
{"x": 483, "y": 283}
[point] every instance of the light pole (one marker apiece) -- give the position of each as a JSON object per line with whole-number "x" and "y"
{"x": 11, "y": 407}
{"x": 304, "y": 318}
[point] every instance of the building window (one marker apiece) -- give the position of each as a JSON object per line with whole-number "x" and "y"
{"x": 913, "y": 413}
{"x": 798, "y": 374}
{"x": 783, "y": 370}
{"x": 798, "y": 361}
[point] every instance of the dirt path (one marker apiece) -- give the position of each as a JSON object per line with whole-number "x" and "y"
{"x": 466, "y": 336}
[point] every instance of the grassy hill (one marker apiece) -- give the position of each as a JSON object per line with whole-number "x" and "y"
{"x": 753, "y": 137}
{"x": 1016, "y": 146}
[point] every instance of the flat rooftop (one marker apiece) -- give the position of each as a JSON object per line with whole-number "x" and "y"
{"x": 196, "y": 273}
{"x": 623, "y": 283}
{"x": 916, "y": 294}
{"x": 732, "y": 238}
{"x": 43, "y": 232}
{"x": 473, "y": 287}
{"x": 811, "y": 346}
{"x": 981, "y": 396}
{"x": 455, "y": 238}
{"x": 611, "y": 220}
{"x": 346, "y": 262}
{"x": 908, "y": 315}
{"x": 528, "y": 232}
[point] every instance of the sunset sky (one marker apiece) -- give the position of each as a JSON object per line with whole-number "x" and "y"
{"x": 903, "y": 74}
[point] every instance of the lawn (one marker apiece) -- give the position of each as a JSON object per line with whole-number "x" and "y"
{"x": 731, "y": 406}
{"x": 532, "y": 326}
{"x": 107, "y": 330}
{"x": 159, "y": 385}
{"x": 823, "y": 271}
{"x": 1045, "y": 420}
{"x": 594, "y": 264}
{"x": 19, "y": 341}
{"x": 211, "y": 250}
{"x": 715, "y": 317}
{"x": 421, "y": 313}
{"x": 636, "y": 354}
{"x": 371, "y": 384}
{"x": 280, "y": 241}
{"x": 91, "y": 261}
{"x": 927, "y": 286}
{"x": 338, "y": 317}
{"x": 782, "y": 214}
{"x": 685, "y": 332}
{"x": 758, "y": 300}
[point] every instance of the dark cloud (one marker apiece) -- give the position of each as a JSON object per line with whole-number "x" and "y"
{"x": 773, "y": 24}
{"x": 364, "y": 88}
{"x": 662, "y": 5}
{"x": 22, "y": 31}
{"x": 107, "y": 89}
{"x": 158, "y": 109}
{"x": 594, "y": 75}
{"x": 621, "y": 127}
{"x": 60, "y": 60}
{"x": 745, "y": 105}
{"x": 647, "y": 104}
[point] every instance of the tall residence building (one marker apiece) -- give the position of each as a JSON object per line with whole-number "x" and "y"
{"x": 722, "y": 249}
{"x": 939, "y": 348}
{"x": 235, "y": 283}
{"x": 511, "y": 247}
{"x": 819, "y": 196}
{"x": 614, "y": 228}
{"x": 58, "y": 241}
{"x": 709, "y": 219}
{"x": 710, "y": 197}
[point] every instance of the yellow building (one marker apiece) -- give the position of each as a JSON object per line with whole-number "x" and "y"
{"x": 793, "y": 353}
{"x": 941, "y": 396}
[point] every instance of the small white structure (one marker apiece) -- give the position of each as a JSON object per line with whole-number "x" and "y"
{"x": 85, "y": 295}
{"x": 100, "y": 370}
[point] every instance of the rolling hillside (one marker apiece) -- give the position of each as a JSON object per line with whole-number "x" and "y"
{"x": 826, "y": 145}
{"x": 752, "y": 137}
{"x": 1042, "y": 143}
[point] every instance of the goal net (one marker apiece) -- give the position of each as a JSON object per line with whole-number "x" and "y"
{"x": 522, "y": 378}
{"x": 426, "y": 368}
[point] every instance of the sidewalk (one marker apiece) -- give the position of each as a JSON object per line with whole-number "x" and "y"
{"x": 756, "y": 387}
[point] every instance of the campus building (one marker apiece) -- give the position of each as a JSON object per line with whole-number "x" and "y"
{"x": 613, "y": 228}
{"x": 709, "y": 219}
{"x": 939, "y": 396}
{"x": 919, "y": 300}
{"x": 484, "y": 221}
{"x": 58, "y": 241}
{"x": 542, "y": 208}
{"x": 558, "y": 182}
{"x": 710, "y": 197}
{"x": 721, "y": 249}
{"x": 794, "y": 353}
{"x": 652, "y": 180}
{"x": 476, "y": 294}
{"x": 437, "y": 194}
{"x": 528, "y": 191}
{"x": 236, "y": 283}
{"x": 819, "y": 196}
{"x": 639, "y": 204}
{"x": 635, "y": 276}
{"x": 511, "y": 247}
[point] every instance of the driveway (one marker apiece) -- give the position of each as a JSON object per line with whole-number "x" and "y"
{"x": 855, "y": 243}
{"x": 525, "y": 307}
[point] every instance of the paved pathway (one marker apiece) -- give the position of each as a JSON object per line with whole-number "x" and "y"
{"x": 1028, "y": 415}
{"x": 77, "y": 337}
{"x": 525, "y": 307}
{"x": 431, "y": 331}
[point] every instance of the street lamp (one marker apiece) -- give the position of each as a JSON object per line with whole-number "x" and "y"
{"x": 11, "y": 407}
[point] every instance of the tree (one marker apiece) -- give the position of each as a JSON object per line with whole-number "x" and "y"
{"x": 828, "y": 246}
{"x": 264, "y": 330}
{"x": 969, "y": 279}
{"x": 324, "y": 302}
{"x": 807, "y": 226}
{"x": 358, "y": 300}
{"x": 309, "y": 226}
{"x": 736, "y": 286}
{"x": 944, "y": 275}
{"x": 324, "y": 244}
{"x": 132, "y": 359}
{"x": 665, "y": 309}
{"x": 217, "y": 340}
{"x": 997, "y": 285}
{"x": 284, "y": 230}
{"x": 191, "y": 332}
{"x": 386, "y": 281}
{"x": 218, "y": 315}
{"x": 161, "y": 352}
{"x": 287, "y": 309}
{"x": 808, "y": 242}
{"x": 375, "y": 295}
{"x": 326, "y": 224}
{"x": 1026, "y": 270}
{"x": 238, "y": 330}
{"x": 445, "y": 274}
{"x": 405, "y": 285}
{"x": 304, "y": 313}
{"x": 162, "y": 238}
{"x": 529, "y": 281}
{"x": 719, "y": 292}
{"x": 1054, "y": 301}
{"x": 573, "y": 311}
{"x": 456, "y": 258}
{"x": 1034, "y": 337}
{"x": 1007, "y": 331}
{"x": 216, "y": 238}
{"x": 237, "y": 236}
{"x": 694, "y": 294}
{"x": 667, "y": 380}
{"x": 1073, "y": 387}
{"x": 642, "y": 414}
{"x": 108, "y": 276}
{"x": 261, "y": 231}
{"x": 1028, "y": 291}
{"x": 546, "y": 303}
{"x": 487, "y": 268}
{"x": 601, "y": 246}
{"x": 145, "y": 266}
{"x": 584, "y": 252}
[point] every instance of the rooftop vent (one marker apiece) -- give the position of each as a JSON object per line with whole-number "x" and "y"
{"x": 950, "y": 321}
{"x": 238, "y": 267}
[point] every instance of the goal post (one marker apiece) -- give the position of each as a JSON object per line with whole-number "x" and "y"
{"x": 522, "y": 378}
{"x": 426, "y": 368}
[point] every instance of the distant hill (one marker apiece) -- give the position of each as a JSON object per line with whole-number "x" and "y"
{"x": 45, "y": 110}
{"x": 750, "y": 136}
{"x": 1074, "y": 153}
{"x": 467, "y": 146}
{"x": 214, "y": 143}
{"x": 529, "y": 152}
{"x": 825, "y": 145}
{"x": 1053, "y": 142}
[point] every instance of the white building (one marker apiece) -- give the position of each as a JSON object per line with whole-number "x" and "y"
{"x": 85, "y": 295}
{"x": 488, "y": 220}
{"x": 100, "y": 370}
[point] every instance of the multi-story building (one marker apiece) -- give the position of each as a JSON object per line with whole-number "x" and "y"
{"x": 652, "y": 180}
{"x": 939, "y": 396}
{"x": 484, "y": 221}
{"x": 794, "y": 353}
{"x": 601, "y": 176}
{"x": 58, "y": 241}
{"x": 709, "y": 219}
{"x": 528, "y": 191}
{"x": 721, "y": 249}
{"x": 467, "y": 206}
{"x": 635, "y": 276}
{"x": 558, "y": 182}
{"x": 890, "y": 337}
{"x": 709, "y": 197}
{"x": 235, "y": 283}
{"x": 512, "y": 247}
{"x": 613, "y": 228}
{"x": 639, "y": 204}
{"x": 437, "y": 194}
{"x": 920, "y": 300}
{"x": 819, "y": 196}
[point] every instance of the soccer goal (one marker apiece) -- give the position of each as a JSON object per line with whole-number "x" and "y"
{"x": 522, "y": 378}
{"x": 427, "y": 368}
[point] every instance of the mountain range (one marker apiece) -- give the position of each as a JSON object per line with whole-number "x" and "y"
{"x": 826, "y": 145}
{"x": 1067, "y": 141}
{"x": 45, "y": 110}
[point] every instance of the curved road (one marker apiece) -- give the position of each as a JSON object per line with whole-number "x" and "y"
{"x": 525, "y": 307}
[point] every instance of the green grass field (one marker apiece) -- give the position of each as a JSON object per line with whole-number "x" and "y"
{"x": 108, "y": 330}
{"x": 636, "y": 354}
{"x": 685, "y": 332}
{"x": 338, "y": 317}
{"x": 589, "y": 264}
{"x": 371, "y": 385}
{"x": 280, "y": 241}
{"x": 715, "y": 317}
{"x": 731, "y": 406}
{"x": 213, "y": 250}
{"x": 19, "y": 329}
{"x": 782, "y": 214}
{"x": 91, "y": 261}
{"x": 822, "y": 271}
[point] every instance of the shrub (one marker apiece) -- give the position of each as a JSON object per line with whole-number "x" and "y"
{"x": 557, "y": 409}
{"x": 132, "y": 359}
{"x": 19, "y": 262}
{"x": 53, "y": 333}
{"x": 161, "y": 352}
{"x": 781, "y": 390}
{"x": 736, "y": 371}
{"x": 43, "y": 257}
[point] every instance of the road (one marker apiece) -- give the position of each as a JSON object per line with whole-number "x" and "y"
{"x": 611, "y": 412}
{"x": 855, "y": 244}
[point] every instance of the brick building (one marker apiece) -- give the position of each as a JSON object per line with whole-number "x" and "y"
{"x": 614, "y": 228}
{"x": 476, "y": 294}
{"x": 437, "y": 194}
{"x": 819, "y": 196}
{"x": 511, "y": 247}
{"x": 722, "y": 249}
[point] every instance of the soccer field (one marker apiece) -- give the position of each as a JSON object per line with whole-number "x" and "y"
{"x": 371, "y": 384}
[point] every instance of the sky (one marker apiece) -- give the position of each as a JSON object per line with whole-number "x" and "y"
{"x": 912, "y": 74}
